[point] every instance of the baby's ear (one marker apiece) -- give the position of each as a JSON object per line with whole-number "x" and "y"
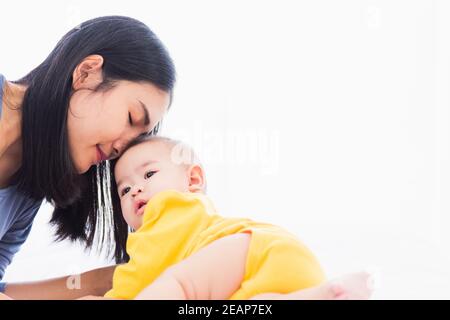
{"x": 196, "y": 177}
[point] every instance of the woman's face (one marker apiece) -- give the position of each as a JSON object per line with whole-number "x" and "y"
{"x": 100, "y": 124}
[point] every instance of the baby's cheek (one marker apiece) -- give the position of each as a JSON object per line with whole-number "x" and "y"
{"x": 127, "y": 212}
{"x": 179, "y": 181}
{"x": 138, "y": 222}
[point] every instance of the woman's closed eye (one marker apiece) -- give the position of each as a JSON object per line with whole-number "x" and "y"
{"x": 130, "y": 119}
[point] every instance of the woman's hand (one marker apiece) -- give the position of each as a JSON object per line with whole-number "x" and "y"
{"x": 4, "y": 297}
{"x": 94, "y": 282}
{"x": 95, "y": 298}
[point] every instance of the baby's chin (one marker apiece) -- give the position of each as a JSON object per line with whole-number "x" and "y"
{"x": 138, "y": 222}
{"x": 134, "y": 223}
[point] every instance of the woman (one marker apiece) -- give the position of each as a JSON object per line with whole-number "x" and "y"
{"x": 105, "y": 83}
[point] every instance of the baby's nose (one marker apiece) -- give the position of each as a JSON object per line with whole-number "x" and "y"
{"x": 136, "y": 191}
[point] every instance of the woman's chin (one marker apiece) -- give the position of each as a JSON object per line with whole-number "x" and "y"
{"x": 82, "y": 169}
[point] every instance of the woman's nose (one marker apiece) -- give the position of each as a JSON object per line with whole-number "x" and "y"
{"x": 115, "y": 153}
{"x": 118, "y": 147}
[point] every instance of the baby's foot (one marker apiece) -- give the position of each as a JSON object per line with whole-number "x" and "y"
{"x": 354, "y": 286}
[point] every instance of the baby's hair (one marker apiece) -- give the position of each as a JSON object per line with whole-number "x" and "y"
{"x": 180, "y": 153}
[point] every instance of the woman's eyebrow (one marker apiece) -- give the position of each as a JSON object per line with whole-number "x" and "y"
{"x": 146, "y": 116}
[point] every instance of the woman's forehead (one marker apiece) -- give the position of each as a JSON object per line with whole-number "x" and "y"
{"x": 145, "y": 90}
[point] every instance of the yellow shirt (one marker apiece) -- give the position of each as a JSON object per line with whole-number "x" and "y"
{"x": 176, "y": 225}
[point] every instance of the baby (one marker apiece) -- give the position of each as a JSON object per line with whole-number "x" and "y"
{"x": 181, "y": 248}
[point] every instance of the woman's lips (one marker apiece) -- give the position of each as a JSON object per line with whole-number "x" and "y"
{"x": 100, "y": 155}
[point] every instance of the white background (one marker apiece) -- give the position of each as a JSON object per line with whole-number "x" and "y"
{"x": 342, "y": 113}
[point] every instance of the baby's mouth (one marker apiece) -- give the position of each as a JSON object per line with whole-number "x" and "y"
{"x": 140, "y": 207}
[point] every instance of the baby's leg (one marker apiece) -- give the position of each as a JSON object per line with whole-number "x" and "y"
{"x": 355, "y": 286}
{"x": 278, "y": 263}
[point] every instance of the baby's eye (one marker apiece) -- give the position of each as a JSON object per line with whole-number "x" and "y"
{"x": 125, "y": 191}
{"x": 148, "y": 174}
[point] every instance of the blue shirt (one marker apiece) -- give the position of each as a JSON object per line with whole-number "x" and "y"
{"x": 16, "y": 217}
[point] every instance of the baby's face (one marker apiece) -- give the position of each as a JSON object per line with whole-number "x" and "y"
{"x": 143, "y": 171}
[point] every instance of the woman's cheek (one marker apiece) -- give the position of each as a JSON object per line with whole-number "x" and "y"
{"x": 82, "y": 158}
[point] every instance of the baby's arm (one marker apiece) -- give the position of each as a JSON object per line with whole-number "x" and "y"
{"x": 214, "y": 272}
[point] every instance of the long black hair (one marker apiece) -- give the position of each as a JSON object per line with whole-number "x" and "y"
{"x": 131, "y": 51}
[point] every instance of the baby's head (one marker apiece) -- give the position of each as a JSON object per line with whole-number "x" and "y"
{"x": 150, "y": 165}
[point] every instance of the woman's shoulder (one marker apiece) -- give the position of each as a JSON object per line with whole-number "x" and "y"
{"x": 2, "y": 81}
{"x": 2, "y": 139}
{"x": 10, "y": 129}
{"x": 14, "y": 202}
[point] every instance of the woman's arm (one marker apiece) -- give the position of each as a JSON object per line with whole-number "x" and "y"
{"x": 95, "y": 282}
{"x": 4, "y": 297}
{"x": 214, "y": 272}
